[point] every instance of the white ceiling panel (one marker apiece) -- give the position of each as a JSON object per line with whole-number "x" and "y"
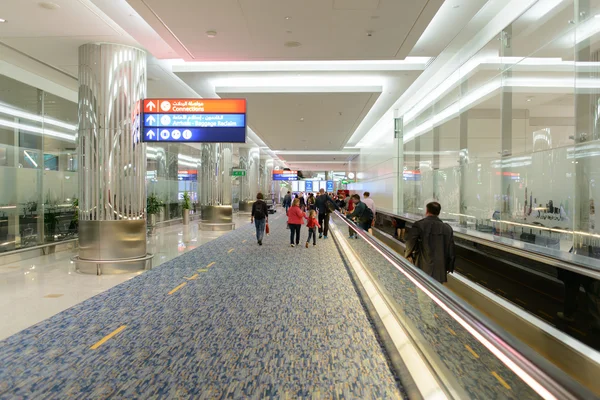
{"x": 26, "y": 18}
{"x": 259, "y": 29}
{"x": 306, "y": 121}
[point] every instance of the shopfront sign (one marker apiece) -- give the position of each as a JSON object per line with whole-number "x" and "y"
{"x": 281, "y": 175}
{"x": 194, "y": 120}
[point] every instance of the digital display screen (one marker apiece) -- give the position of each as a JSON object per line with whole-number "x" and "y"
{"x": 194, "y": 120}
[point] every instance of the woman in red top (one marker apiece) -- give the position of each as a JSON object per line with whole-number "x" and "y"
{"x": 312, "y": 226}
{"x": 295, "y": 219}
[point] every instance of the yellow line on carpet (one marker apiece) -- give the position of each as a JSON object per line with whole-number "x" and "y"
{"x": 502, "y": 381}
{"x": 230, "y": 250}
{"x": 203, "y": 270}
{"x": 211, "y": 264}
{"x": 472, "y": 351}
{"x": 451, "y": 331}
{"x": 177, "y": 288}
{"x": 244, "y": 241}
{"x": 193, "y": 277}
{"x": 108, "y": 337}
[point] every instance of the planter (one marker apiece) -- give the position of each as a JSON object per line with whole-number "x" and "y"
{"x": 152, "y": 220}
{"x": 186, "y": 217}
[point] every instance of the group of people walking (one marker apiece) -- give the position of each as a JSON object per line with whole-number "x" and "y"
{"x": 316, "y": 211}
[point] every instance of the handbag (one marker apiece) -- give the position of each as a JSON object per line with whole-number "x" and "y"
{"x": 267, "y": 228}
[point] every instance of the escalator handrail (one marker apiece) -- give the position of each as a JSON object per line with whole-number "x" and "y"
{"x": 543, "y": 376}
{"x": 535, "y": 256}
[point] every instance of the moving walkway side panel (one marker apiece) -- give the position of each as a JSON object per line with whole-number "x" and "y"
{"x": 470, "y": 356}
{"x": 572, "y": 356}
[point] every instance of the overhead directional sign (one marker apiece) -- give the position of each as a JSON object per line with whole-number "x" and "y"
{"x": 194, "y": 120}
{"x": 329, "y": 186}
{"x": 285, "y": 175}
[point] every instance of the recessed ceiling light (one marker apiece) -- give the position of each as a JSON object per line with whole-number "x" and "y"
{"x": 48, "y": 5}
{"x": 288, "y": 18}
{"x": 302, "y": 119}
{"x": 2, "y": 20}
{"x": 211, "y": 34}
{"x": 292, "y": 44}
{"x": 529, "y": 98}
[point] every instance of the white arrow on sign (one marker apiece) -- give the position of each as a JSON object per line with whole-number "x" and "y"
{"x": 151, "y": 106}
{"x": 150, "y": 134}
{"x": 150, "y": 119}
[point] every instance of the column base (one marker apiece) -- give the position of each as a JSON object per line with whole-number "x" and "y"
{"x": 115, "y": 245}
{"x": 216, "y": 218}
{"x": 246, "y": 206}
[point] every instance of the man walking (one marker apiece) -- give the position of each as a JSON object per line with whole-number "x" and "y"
{"x": 362, "y": 214}
{"x": 430, "y": 244}
{"x": 370, "y": 203}
{"x": 287, "y": 201}
{"x": 322, "y": 204}
{"x": 260, "y": 217}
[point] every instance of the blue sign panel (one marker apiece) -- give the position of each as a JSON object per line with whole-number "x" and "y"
{"x": 329, "y": 186}
{"x": 309, "y": 186}
{"x": 195, "y": 120}
{"x": 222, "y": 135}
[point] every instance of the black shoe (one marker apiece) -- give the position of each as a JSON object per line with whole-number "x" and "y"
{"x": 260, "y": 242}
{"x": 320, "y": 236}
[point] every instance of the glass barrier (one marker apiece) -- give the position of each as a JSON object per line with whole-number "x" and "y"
{"x": 471, "y": 356}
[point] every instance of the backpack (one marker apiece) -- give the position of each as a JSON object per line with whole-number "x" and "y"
{"x": 367, "y": 215}
{"x": 259, "y": 212}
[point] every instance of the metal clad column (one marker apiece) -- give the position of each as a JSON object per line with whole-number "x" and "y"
{"x": 112, "y": 172}
{"x": 215, "y": 200}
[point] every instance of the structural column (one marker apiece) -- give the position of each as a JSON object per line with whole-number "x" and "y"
{"x": 249, "y": 160}
{"x": 215, "y": 191}
{"x": 112, "y": 160}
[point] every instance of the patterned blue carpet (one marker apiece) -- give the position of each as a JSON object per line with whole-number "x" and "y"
{"x": 261, "y": 322}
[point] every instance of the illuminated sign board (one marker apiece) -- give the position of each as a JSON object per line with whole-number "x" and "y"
{"x": 279, "y": 175}
{"x": 309, "y": 186}
{"x": 194, "y": 120}
{"x": 329, "y": 186}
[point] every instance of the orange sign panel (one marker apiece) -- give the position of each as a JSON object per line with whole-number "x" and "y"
{"x": 195, "y": 106}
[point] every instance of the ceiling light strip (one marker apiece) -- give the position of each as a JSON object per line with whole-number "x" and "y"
{"x": 33, "y": 129}
{"x": 37, "y": 118}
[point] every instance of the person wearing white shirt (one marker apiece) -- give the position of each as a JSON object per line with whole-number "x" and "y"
{"x": 369, "y": 203}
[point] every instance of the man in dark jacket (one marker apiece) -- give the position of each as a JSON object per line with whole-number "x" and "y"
{"x": 260, "y": 217}
{"x": 287, "y": 202}
{"x": 360, "y": 214}
{"x": 323, "y": 204}
{"x": 430, "y": 244}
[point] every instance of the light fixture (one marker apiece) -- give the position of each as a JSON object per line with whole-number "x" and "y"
{"x": 211, "y": 34}
{"x": 351, "y": 175}
{"x": 529, "y": 99}
{"x": 288, "y": 18}
{"x": 2, "y": 20}
{"x": 302, "y": 119}
{"x": 48, "y": 5}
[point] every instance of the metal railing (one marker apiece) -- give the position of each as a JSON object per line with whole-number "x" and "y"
{"x": 587, "y": 270}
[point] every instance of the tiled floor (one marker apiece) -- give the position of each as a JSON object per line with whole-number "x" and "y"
{"x": 37, "y": 288}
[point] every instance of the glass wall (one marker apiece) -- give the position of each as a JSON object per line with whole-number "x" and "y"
{"x": 38, "y": 169}
{"x": 38, "y": 182}
{"x": 509, "y": 143}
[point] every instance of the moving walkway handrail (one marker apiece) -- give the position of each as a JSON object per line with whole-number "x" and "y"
{"x": 543, "y": 377}
{"x": 545, "y": 259}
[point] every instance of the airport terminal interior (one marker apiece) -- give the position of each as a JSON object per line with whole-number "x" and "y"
{"x": 163, "y": 165}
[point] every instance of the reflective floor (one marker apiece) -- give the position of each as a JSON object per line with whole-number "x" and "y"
{"x": 35, "y": 289}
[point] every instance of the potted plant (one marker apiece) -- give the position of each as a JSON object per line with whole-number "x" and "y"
{"x": 153, "y": 206}
{"x": 186, "y": 205}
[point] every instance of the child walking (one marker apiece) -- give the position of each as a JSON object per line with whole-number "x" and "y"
{"x": 312, "y": 226}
